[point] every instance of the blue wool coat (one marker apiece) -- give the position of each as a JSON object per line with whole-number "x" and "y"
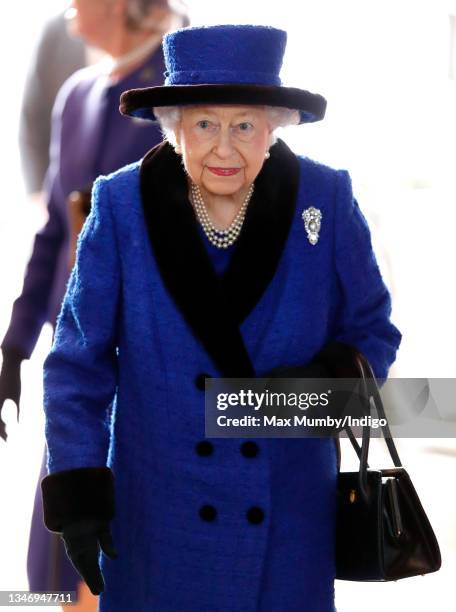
{"x": 144, "y": 317}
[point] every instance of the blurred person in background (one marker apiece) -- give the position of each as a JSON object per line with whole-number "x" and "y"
{"x": 57, "y": 56}
{"x": 89, "y": 137}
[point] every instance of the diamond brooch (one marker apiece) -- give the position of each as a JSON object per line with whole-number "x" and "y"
{"x": 312, "y": 222}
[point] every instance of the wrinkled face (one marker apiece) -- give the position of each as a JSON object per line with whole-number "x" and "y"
{"x": 223, "y": 147}
{"x": 93, "y": 19}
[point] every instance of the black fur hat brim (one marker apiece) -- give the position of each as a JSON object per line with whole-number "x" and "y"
{"x": 140, "y": 102}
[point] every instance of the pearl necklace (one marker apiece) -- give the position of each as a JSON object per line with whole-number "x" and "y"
{"x": 219, "y": 238}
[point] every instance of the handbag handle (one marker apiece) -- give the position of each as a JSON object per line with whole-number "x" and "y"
{"x": 371, "y": 396}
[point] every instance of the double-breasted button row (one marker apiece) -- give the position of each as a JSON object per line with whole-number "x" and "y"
{"x": 248, "y": 449}
{"x": 254, "y": 514}
{"x": 205, "y": 448}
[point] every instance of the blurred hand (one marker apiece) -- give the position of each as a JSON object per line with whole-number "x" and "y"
{"x": 10, "y": 383}
{"x": 82, "y": 539}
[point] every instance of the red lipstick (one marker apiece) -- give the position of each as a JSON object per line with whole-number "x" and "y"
{"x": 223, "y": 171}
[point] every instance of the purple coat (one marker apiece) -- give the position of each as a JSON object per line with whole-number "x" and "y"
{"x": 87, "y": 130}
{"x": 89, "y": 137}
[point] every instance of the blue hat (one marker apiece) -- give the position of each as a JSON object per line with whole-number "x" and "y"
{"x": 223, "y": 64}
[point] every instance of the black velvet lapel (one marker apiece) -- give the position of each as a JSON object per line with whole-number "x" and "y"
{"x": 213, "y": 306}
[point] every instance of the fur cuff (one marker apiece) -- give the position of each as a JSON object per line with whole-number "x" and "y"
{"x": 73, "y": 495}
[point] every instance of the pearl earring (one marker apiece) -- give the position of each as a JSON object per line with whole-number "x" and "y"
{"x": 267, "y": 155}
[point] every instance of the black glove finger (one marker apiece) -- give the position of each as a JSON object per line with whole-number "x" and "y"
{"x": 87, "y": 565}
{"x": 80, "y": 536}
{"x": 107, "y": 544}
{"x": 3, "y": 433}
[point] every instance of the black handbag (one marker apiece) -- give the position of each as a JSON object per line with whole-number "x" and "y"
{"x": 382, "y": 531}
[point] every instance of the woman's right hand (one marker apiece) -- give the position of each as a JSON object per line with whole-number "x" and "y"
{"x": 10, "y": 383}
{"x": 78, "y": 504}
{"x": 82, "y": 539}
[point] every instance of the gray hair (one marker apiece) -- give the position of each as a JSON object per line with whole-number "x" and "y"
{"x": 278, "y": 116}
{"x": 138, "y": 13}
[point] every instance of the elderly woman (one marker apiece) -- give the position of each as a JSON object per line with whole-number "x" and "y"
{"x": 201, "y": 261}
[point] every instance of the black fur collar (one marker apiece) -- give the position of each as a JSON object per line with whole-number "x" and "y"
{"x": 213, "y": 306}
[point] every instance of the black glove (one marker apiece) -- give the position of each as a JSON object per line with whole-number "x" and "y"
{"x": 10, "y": 382}
{"x": 312, "y": 369}
{"x": 82, "y": 541}
{"x": 79, "y": 505}
{"x": 335, "y": 360}
{"x": 343, "y": 361}
{"x": 339, "y": 360}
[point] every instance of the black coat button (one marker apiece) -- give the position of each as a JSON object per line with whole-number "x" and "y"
{"x": 200, "y": 381}
{"x": 207, "y": 512}
{"x": 255, "y": 515}
{"x": 249, "y": 449}
{"x": 204, "y": 448}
